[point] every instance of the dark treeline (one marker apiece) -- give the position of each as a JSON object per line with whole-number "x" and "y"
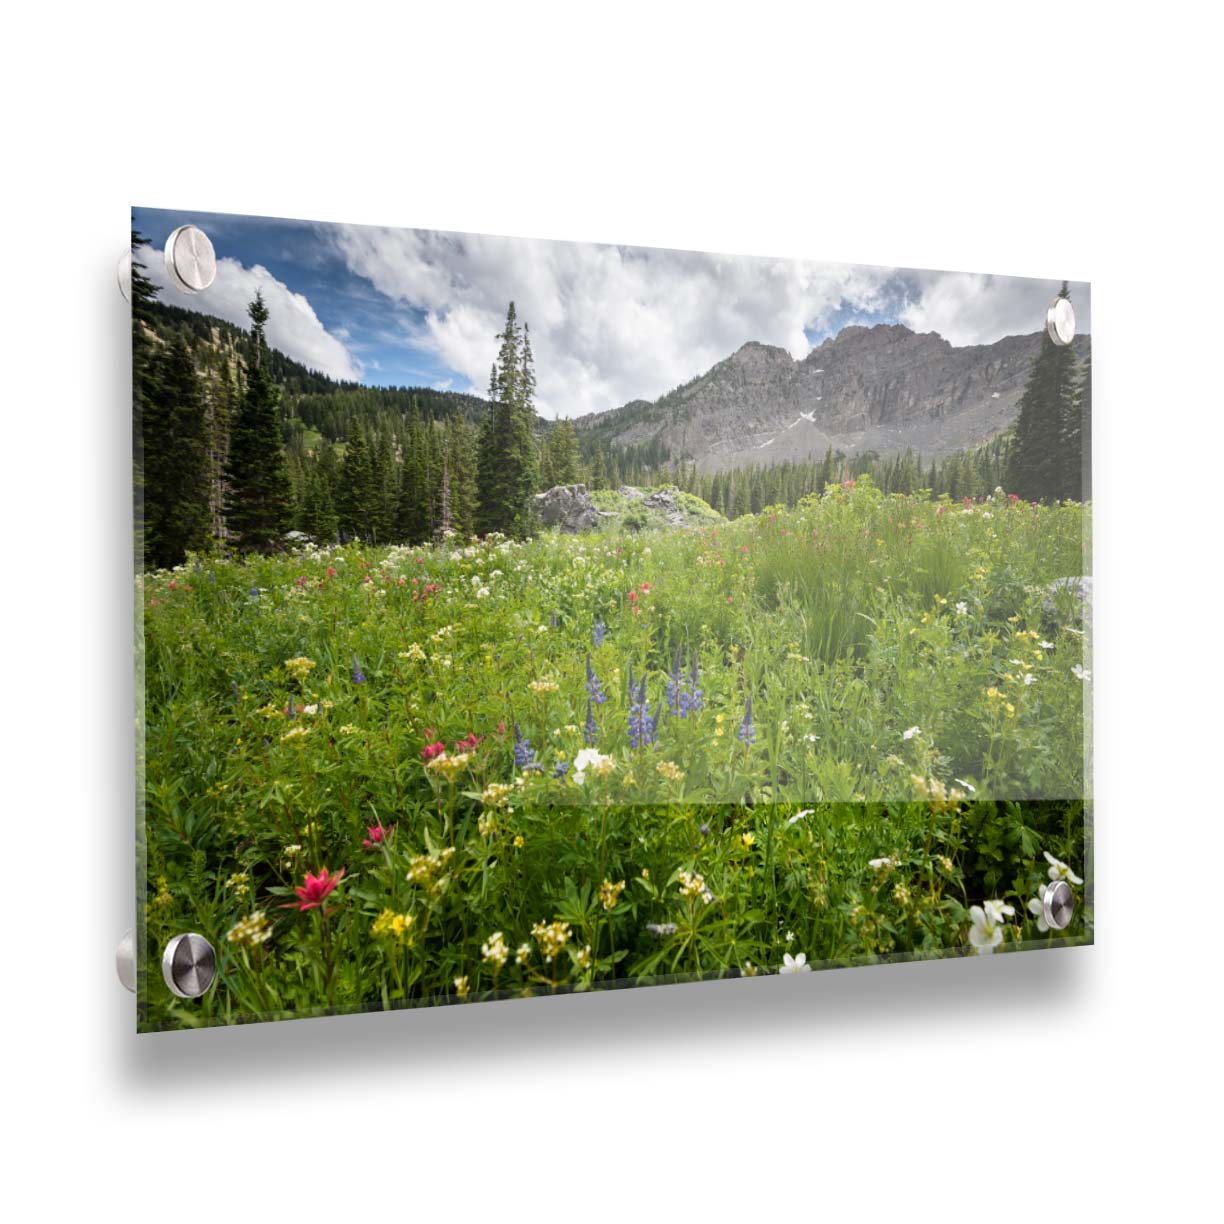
{"x": 746, "y": 490}
{"x": 236, "y": 444}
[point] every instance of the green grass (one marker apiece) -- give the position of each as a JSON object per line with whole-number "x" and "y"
{"x": 849, "y": 622}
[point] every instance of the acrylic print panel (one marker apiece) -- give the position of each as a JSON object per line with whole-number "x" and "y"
{"x": 524, "y": 617}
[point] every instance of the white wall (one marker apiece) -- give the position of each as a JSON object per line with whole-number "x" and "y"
{"x": 1028, "y": 139}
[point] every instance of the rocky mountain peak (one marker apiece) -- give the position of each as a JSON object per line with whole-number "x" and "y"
{"x": 882, "y": 388}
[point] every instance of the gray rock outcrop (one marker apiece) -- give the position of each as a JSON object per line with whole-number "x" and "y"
{"x": 568, "y": 508}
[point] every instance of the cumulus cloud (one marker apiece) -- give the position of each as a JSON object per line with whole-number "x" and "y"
{"x": 293, "y": 326}
{"x": 967, "y": 308}
{"x": 608, "y": 324}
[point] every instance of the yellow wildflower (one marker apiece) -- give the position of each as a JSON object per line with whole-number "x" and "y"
{"x": 391, "y": 925}
{"x": 299, "y": 668}
{"x": 251, "y": 931}
{"x": 494, "y": 950}
{"x": 450, "y": 766}
{"x": 671, "y": 771}
{"x": 551, "y": 937}
{"x": 609, "y": 893}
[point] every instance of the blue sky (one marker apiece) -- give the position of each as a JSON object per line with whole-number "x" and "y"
{"x": 609, "y": 323}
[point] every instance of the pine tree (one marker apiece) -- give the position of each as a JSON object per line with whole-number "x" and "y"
{"x": 318, "y": 517}
{"x": 563, "y": 454}
{"x": 1077, "y": 438}
{"x": 1037, "y": 470}
{"x": 524, "y": 454}
{"x": 257, "y": 501}
{"x": 461, "y": 447}
{"x": 508, "y": 463}
{"x": 175, "y": 445}
{"x": 828, "y": 473}
{"x": 144, "y": 292}
{"x": 358, "y": 498}
{"x": 445, "y": 520}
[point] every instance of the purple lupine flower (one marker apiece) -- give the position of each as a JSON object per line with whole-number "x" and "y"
{"x": 594, "y": 687}
{"x": 524, "y": 753}
{"x": 597, "y": 634}
{"x": 254, "y": 594}
{"x": 675, "y": 688}
{"x": 643, "y": 729}
{"x": 561, "y": 770}
{"x": 359, "y": 676}
{"x": 591, "y": 731}
{"x": 746, "y": 734}
{"x": 695, "y": 701}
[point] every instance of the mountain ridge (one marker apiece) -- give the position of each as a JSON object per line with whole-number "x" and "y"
{"x": 882, "y": 389}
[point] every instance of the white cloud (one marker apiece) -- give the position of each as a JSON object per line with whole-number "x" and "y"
{"x": 293, "y": 326}
{"x": 608, "y": 324}
{"x": 968, "y": 308}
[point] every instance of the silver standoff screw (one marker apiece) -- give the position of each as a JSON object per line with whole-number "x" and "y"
{"x": 125, "y": 960}
{"x": 189, "y": 965}
{"x": 1060, "y": 321}
{"x": 124, "y": 273}
{"x": 191, "y": 261}
{"x": 1058, "y": 905}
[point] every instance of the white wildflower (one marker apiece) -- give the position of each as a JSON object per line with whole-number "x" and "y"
{"x": 984, "y": 933}
{"x": 1060, "y": 871}
{"x": 1037, "y": 908}
{"x": 590, "y": 759}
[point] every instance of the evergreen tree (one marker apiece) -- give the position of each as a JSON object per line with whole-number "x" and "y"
{"x": 359, "y": 494}
{"x": 1038, "y": 467}
{"x": 508, "y": 462}
{"x": 144, "y": 293}
{"x": 318, "y": 517}
{"x": 461, "y": 447}
{"x": 175, "y": 436}
{"x": 1077, "y": 438}
{"x": 828, "y": 473}
{"x": 562, "y": 449}
{"x": 257, "y": 501}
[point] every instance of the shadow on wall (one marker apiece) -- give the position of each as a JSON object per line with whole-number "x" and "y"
{"x": 614, "y": 1026}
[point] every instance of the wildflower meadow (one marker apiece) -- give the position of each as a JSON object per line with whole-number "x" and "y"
{"x": 385, "y": 777}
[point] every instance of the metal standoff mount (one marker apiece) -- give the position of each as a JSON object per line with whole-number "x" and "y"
{"x": 124, "y": 273}
{"x": 1060, "y": 321}
{"x": 191, "y": 262}
{"x": 125, "y": 960}
{"x": 1058, "y": 905}
{"x": 189, "y": 965}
